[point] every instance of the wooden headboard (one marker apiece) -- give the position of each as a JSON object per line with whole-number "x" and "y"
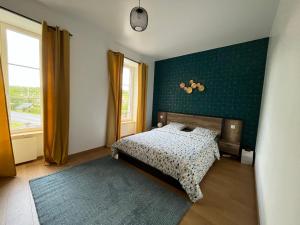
{"x": 193, "y": 121}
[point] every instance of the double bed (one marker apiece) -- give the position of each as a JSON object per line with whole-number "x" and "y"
{"x": 185, "y": 156}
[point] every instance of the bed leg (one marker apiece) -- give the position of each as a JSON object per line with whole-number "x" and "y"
{"x": 116, "y": 156}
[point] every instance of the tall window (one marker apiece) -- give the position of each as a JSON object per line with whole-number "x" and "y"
{"x": 127, "y": 94}
{"x": 23, "y": 79}
{"x": 129, "y": 91}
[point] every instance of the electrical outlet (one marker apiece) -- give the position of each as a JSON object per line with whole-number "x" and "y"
{"x": 232, "y": 126}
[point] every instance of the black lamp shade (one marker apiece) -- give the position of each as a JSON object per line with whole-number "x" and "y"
{"x": 138, "y": 19}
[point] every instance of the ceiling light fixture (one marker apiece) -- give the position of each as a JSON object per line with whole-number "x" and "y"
{"x": 139, "y": 18}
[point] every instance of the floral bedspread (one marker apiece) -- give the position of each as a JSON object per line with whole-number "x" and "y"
{"x": 182, "y": 155}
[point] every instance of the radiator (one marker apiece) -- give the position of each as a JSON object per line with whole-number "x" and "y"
{"x": 25, "y": 148}
{"x": 128, "y": 128}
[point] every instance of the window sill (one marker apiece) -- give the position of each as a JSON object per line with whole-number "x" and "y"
{"x": 25, "y": 134}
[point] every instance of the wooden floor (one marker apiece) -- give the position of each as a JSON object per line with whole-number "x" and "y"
{"x": 228, "y": 189}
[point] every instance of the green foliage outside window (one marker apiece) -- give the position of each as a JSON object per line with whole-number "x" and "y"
{"x": 125, "y": 102}
{"x": 25, "y": 99}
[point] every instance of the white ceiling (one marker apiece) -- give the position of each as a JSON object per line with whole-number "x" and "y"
{"x": 176, "y": 27}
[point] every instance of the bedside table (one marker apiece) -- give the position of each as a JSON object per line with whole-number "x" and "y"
{"x": 230, "y": 141}
{"x": 229, "y": 148}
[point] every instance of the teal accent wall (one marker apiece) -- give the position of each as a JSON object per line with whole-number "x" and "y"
{"x": 233, "y": 76}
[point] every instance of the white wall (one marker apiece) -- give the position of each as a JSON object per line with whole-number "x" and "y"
{"x": 88, "y": 78}
{"x": 278, "y": 149}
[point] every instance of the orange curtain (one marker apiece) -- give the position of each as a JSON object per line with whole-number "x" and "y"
{"x": 115, "y": 70}
{"x": 56, "y": 93}
{"x": 7, "y": 162}
{"x": 142, "y": 98}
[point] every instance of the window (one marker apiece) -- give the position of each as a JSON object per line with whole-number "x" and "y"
{"x": 127, "y": 94}
{"x": 21, "y": 54}
{"x": 129, "y": 90}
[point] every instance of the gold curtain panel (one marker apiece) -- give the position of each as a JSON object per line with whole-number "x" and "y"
{"x": 142, "y": 98}
{"x": 56, "y": 93}
{"x": 115, "y": 70}
{"x": 7, "y": 162}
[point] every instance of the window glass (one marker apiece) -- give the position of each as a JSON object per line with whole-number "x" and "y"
{"x": 23, "y": 54}
{"x": 126, "y": 94}
{"x": 22, "y": 49}
{"x": 23, "y": 76}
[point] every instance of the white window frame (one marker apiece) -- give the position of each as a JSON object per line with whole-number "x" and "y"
{"x": 4, "y": 59}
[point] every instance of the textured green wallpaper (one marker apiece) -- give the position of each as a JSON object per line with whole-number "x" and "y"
{"x": 233, "y": 77}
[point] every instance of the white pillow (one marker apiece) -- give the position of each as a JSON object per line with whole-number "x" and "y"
{"x": 174, "y": 126}
{"x": 205, "y": 132}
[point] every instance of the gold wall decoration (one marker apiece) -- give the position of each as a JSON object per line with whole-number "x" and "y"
{"x": 192, "y": 86}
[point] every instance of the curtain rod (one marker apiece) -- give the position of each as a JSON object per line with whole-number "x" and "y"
{"x": 26, "y": 17}
{"x": 132, "y": 60}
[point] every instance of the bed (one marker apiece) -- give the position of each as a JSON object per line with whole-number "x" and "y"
{"x": 185, "y": 156}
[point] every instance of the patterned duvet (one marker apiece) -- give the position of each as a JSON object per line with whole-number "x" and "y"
{"x": 182, "y": 155}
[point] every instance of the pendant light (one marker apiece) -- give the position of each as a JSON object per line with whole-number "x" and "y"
{"x": 139, "y": 18}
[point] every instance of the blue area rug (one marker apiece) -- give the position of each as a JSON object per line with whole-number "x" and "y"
{"x": 107, "y": 192}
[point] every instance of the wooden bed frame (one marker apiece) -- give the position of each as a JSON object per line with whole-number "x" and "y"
{"x": 153, "y": 171}
{"x": 191, "y": 121}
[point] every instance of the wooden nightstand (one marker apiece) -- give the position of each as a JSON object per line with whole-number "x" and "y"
{"x": 229, "y": 148}
{"x": 231, "y": 137}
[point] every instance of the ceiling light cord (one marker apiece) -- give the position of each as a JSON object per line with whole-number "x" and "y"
{"x": 139, "y": 3}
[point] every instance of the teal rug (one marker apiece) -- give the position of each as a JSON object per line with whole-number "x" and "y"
{"x": 105, "y": 192}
